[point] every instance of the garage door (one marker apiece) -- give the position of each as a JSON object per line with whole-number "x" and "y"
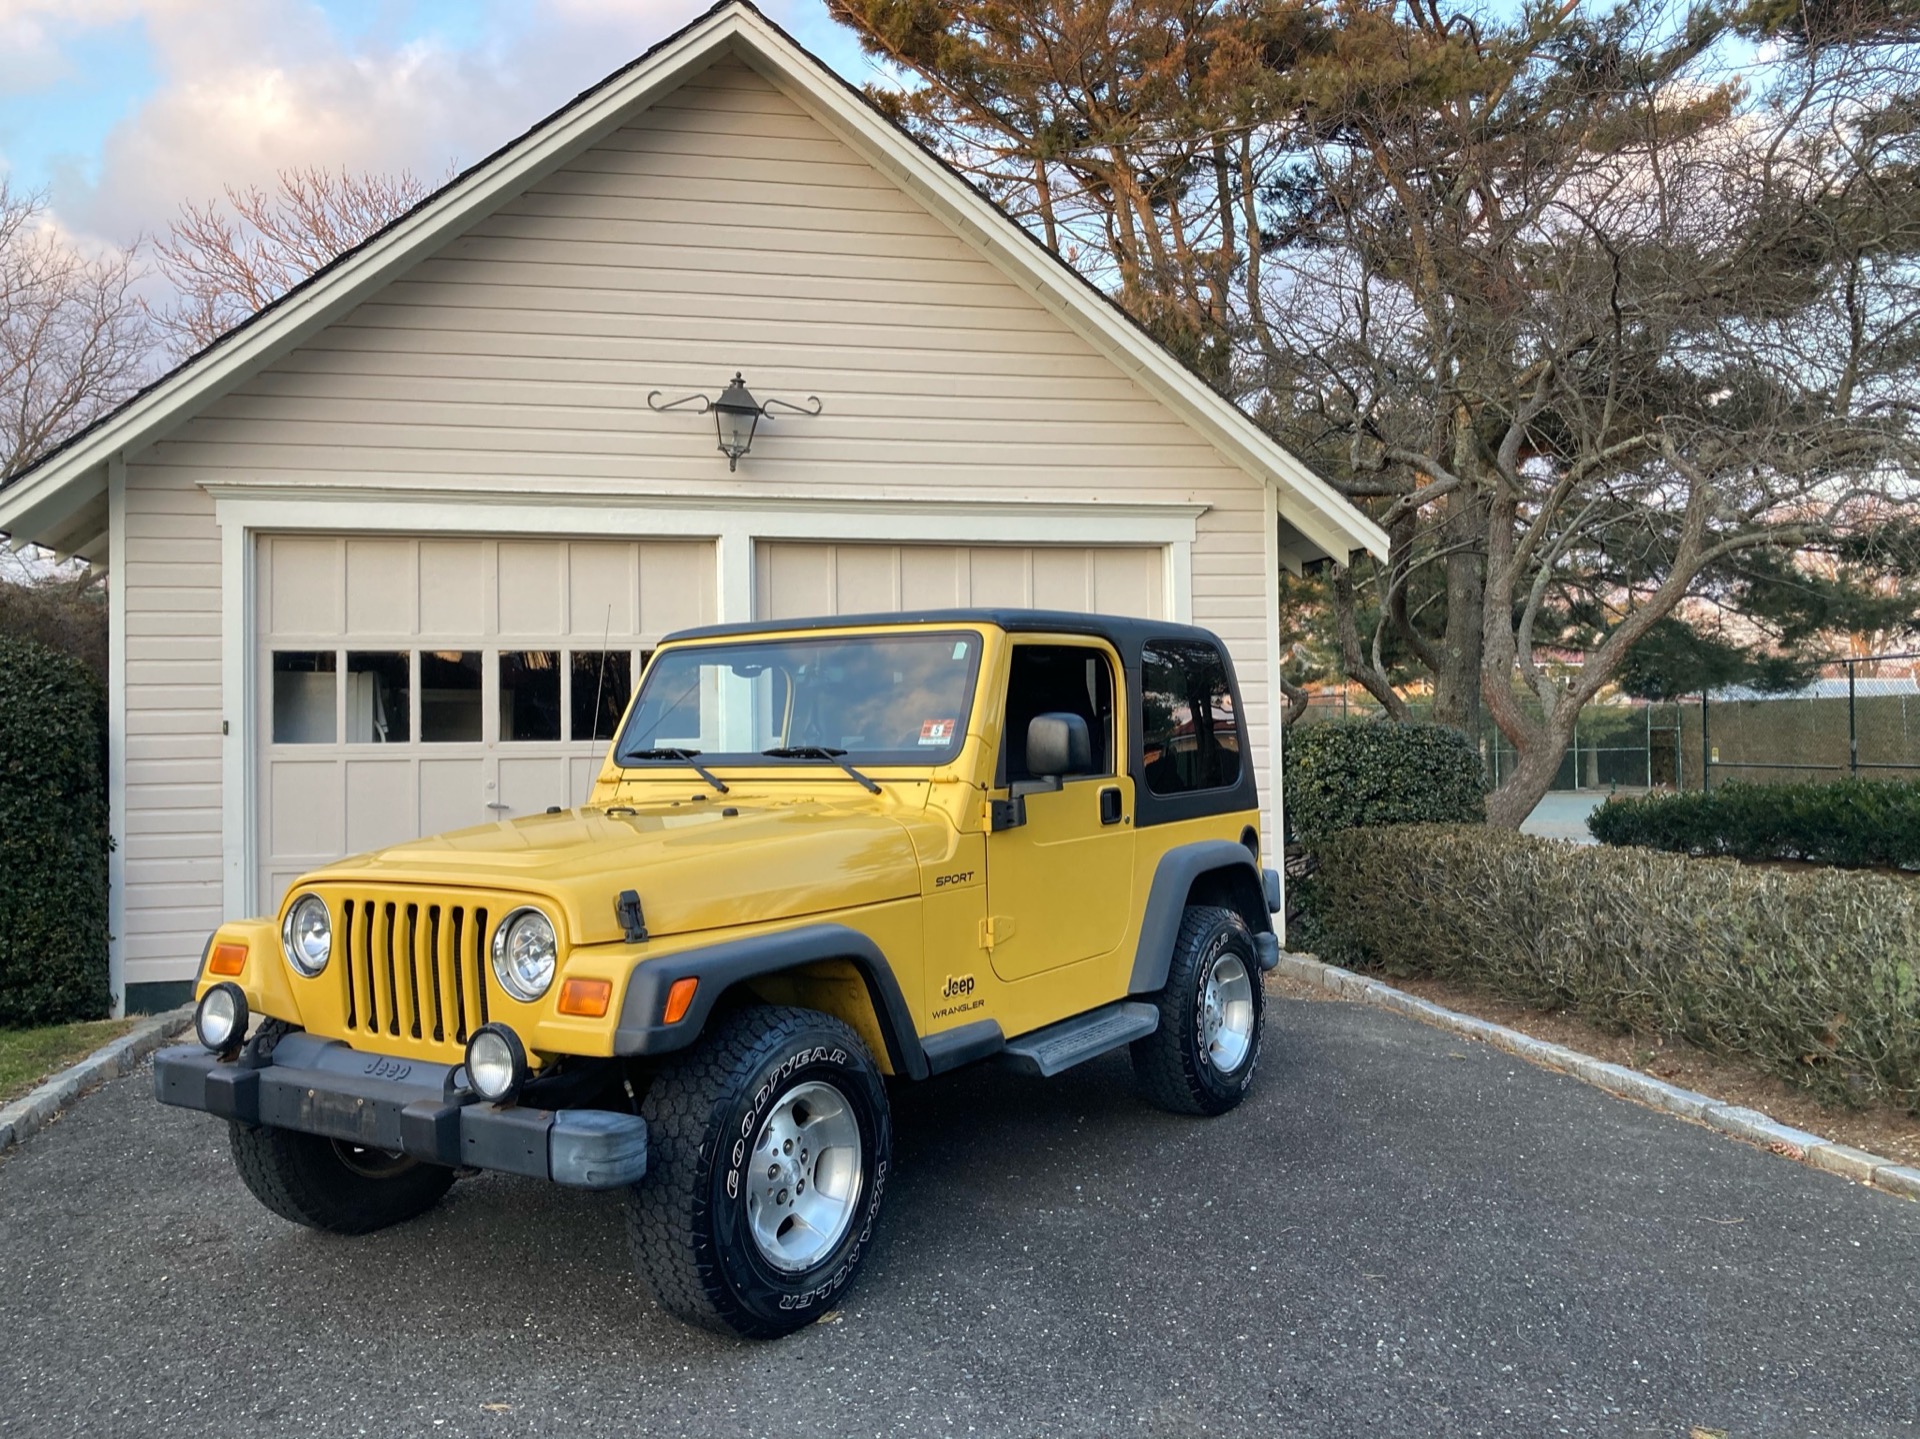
{"x": 415, "y": 685}
{"x": 803, "y": 579}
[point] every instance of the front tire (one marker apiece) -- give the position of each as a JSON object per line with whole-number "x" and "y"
{"x": 1202, "y": 1058}
{"x": 769, "y": 1145}
{"x": 330, "y": 1184}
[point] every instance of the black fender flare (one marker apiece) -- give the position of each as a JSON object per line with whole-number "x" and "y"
{"x": 720, "y": 966}
{"x": 1230, "y": 871}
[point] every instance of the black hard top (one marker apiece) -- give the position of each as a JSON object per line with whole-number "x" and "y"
{"x": 1125, "y": 635}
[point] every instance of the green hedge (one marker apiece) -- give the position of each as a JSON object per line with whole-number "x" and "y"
{"x": 53, "y": 838}
{"x": 1358, "y": 774}
{"x": 1812, "y": 974}
{"x": 1850, "y": 822}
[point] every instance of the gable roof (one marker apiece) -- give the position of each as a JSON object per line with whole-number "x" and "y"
{"x": 69, "y": 480}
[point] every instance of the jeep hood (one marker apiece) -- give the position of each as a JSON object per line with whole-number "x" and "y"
{"x": 694, "y": 865}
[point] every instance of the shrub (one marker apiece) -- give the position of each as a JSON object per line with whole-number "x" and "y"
{"x": 1811, "y": 974}
{"x": 64, "y": 612}
{"x": 1850, "y": 822}
{"x": 53, "y": 838}
{"x": 1344, "y": 776}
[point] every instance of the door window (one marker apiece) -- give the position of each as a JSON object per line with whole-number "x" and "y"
{"x": 1058, "y": 679}
{"x": 1190, "y": 733}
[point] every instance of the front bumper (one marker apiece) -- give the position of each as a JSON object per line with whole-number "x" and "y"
{"x": 404, "y": 1106}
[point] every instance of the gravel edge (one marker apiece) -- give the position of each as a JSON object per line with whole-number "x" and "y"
{"x": 1731, "y": 1119}
{"x": 25, "y": 1117}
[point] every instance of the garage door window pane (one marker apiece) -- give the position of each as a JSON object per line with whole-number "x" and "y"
{"x": 602, "y": 683}
{"x": 303, "y": 695}
{"x": 530, "y": 695}
{"x": 377, "y": 698}
{"x": 450, "y": 696}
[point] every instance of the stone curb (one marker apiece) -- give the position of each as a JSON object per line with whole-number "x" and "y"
{"x": 1748, "y": 1124}
{"x": 26, "y": 1116}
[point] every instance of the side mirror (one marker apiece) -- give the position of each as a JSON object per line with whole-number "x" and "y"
{"x": 1058, "y": 744}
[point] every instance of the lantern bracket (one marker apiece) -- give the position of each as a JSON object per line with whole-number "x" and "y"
{"x": 736, "y": 401}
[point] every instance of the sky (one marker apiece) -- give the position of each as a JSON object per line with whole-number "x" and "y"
{"x": 118, "y": 110}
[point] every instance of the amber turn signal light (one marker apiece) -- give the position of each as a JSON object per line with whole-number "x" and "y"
{"x": 586, "y": 997}
{"x": 680, "y": 999}
{"x": 227, "y": 959}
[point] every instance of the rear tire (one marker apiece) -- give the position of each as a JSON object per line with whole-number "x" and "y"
{"x": 1202, "y": 1058}
{"x": 330, "y": 1184}
{"x": 768, "y": 1145}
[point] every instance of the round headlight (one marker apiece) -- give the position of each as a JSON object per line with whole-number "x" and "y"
{"x": 221, "y": 1018}
{"x": 307, "y": 935}
{"x": 525, "y": 954}
{"x": 496, "y": 1063}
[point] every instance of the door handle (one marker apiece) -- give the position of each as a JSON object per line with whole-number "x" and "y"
{"x": 497, "y": 805}
{"x": 1110, "y": 805}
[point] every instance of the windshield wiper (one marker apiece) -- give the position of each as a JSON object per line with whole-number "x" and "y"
{"x": 685, "y": 756}
{"x": 819, "y": 751}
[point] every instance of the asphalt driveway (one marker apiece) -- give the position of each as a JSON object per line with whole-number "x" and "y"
{"x": 1401, "y": 1234}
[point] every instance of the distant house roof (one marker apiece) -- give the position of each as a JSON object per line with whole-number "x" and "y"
{"x": 1825, "y": 689}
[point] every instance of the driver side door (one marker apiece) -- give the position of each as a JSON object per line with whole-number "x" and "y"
{"x": 1058, "y": 883}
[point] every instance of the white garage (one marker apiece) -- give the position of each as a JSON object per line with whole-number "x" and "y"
{"x": 387, "y": 558}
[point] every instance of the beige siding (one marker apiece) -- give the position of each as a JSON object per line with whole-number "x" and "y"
{"x": 724, "y": 229}
{"x": 172, "y": 821}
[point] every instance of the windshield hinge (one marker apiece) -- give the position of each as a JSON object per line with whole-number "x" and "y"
{"x": 632, "y": 918}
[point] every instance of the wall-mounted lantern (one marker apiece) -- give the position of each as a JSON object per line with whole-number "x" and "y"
{"x": 736, "y": 414}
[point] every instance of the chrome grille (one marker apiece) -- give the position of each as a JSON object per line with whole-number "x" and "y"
{"x": 416, "y": 969}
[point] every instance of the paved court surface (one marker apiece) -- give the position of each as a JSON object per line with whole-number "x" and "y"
{"x": 1401, "y": 1234}
{"x": 1562, "y": 814}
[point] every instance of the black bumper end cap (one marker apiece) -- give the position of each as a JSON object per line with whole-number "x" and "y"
{"x": 1266, "y": 948}
{"x": 188, "y": 1076}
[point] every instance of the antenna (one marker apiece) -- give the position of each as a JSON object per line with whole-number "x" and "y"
{"x": 600, "y": 686}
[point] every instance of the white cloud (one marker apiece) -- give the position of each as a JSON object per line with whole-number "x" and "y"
{"x": 248, "y": 87}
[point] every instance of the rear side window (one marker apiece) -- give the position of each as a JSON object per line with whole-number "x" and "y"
{"x": 1190, "y": 731}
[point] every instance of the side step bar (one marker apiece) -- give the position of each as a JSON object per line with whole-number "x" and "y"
{"x": 1060, "y": 1046}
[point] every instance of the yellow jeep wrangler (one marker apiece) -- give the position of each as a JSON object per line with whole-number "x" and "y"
{"x": 818, "y": 854}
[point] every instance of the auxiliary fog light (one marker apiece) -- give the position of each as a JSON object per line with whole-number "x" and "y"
{"x": 496, "y": 1063}
{"x": 221, "y": 1018}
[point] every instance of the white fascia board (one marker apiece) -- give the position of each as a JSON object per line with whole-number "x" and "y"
{"x": 1312, "y": 505}
{"x": 33, "y": 513}
{"x": 265, "y": 339}
{"x": 665, "y": 516}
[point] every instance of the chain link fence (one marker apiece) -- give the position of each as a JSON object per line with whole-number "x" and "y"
{"x": 1861, "y": 717}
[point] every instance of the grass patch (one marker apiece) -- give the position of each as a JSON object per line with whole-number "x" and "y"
{"x": 27, "y": 1056}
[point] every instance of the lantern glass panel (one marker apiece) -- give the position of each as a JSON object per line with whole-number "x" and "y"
{"x": 736, "y": 430}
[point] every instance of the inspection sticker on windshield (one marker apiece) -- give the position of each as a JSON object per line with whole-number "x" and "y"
{"x": 937, "y": 732}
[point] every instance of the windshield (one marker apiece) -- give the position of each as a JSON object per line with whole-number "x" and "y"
{"x": 900, "y": 698}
